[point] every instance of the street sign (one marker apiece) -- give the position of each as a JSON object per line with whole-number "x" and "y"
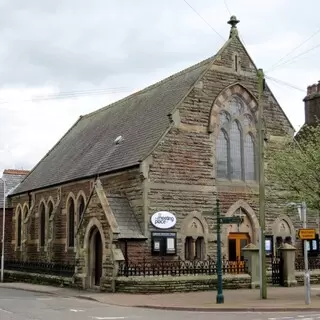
{"x": 230, "y": 220}
{"x": 307, "y": 234}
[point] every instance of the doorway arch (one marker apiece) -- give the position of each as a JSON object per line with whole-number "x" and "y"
{"x": 95, "y": 257}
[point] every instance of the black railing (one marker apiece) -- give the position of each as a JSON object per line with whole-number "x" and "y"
{"x": 313, "y": 263}
{"x": 49, "y": 268}
{"x": 164, "y": 267}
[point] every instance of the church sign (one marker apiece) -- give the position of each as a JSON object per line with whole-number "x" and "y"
{"x": 163, "y": 220}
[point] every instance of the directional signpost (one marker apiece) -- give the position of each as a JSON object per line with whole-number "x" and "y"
{"x": 222, "y": 220}
{"x": 307, "y": 234}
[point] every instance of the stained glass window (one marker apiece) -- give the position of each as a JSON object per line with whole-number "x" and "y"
{"x": 236, "y": 107}
{"x": 249, "y": 158}
{"x": 80, "y": 208}
{"x": 222, "y": 155}
{"x": 235, "y": 151}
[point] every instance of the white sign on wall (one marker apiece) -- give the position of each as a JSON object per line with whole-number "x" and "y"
{"x": 163, "y": 220}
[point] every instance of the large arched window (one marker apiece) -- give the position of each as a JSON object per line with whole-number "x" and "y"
{"x": 42, "y": 214}
{"x": 235, "y": 147}
{"x": 19, "y": 227}
{"x": 71, "y": 225}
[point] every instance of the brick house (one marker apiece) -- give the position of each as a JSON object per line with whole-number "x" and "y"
{"x": 12, "y": 178}
{"x": 140, "y": 177}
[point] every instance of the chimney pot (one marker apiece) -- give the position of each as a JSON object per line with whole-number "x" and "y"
{"x": 308, "y": 90}
{"x": 314, "y": 88}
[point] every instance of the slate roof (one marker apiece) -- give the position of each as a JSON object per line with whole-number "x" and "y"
{"x": 88, "y": 148}
{"x": 125, "y": 217}
{"x": 12, "y": 178}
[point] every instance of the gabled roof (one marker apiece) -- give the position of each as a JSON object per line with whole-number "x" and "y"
{"x": 12, "y": 178}
{"x": 125, "y": 217}
{"x": 89, "y": 147}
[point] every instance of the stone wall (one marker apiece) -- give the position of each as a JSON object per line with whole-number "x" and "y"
{"x": 125, "y": 183}
{"x": 179, "y": 284}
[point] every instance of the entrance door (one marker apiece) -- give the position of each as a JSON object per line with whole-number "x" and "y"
{"x": 95, "y": 258}
{"x": 98, "y": 259}
{"x": 236, "y": 242}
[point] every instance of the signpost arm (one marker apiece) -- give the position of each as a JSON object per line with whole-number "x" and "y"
{"x": 306, "y": 264}
{"x": 220, "y": 297}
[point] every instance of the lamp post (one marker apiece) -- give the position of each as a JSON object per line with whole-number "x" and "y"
{"x": 3, "y": 226}
{"x": 302, "y": 209}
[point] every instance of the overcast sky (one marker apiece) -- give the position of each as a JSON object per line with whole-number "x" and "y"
{"x": 65, "y": 58}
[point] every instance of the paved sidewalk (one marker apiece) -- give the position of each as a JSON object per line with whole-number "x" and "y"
{"x": 279, "y": 299}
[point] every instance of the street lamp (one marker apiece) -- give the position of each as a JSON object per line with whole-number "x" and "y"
{"x": 302, "y": 209}
{"x": 3, "y": 226}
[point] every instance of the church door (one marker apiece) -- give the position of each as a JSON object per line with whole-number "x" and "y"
{"x": 236, "y": 241}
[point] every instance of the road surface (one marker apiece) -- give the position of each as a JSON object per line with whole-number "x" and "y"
{"x": 23, "y": 305}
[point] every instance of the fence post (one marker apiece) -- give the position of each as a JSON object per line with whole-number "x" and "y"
{"x": 251, "y": 256}
{"x": 288, "y": 253}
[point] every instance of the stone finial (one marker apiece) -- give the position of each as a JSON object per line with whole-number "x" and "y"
{"x": 233, "y": 22}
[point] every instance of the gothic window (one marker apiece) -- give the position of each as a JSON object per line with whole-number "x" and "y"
{"x": 235, "y": 146}
{"x": 222, "y": 154}
{"x": 50, "y": 209}
{"x": 235, "y": 151}
{"x": 249, "y": 156}
{"x": 81, "y": 206}
{"x": 19, "y": 227}
{"x": 71, "y": 226}
{"x": 42, "y": 215}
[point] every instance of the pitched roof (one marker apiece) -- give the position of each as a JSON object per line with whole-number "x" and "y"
{"x": 12, "y": 178}
{"x": 125, "y": 217}
{"x": 88, "y": 148}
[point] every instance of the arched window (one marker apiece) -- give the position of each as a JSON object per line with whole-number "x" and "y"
{"x": 249, "y": 154}
{"x": 19, "y": 227}
{"x": 42, "y": 229}
{"x": 81, "y": 206}
{"x": 235, "y": 147}
{"x": 50, "y": 209}
{"x": 71, "y": 225}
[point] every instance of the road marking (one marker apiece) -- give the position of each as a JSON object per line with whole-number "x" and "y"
{"x": 109, "y": 318}
{"x": 76, "y": 310}
{"x": 5, "y": 311}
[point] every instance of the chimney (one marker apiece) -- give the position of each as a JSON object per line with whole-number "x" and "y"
{"x": 312, "y": 104}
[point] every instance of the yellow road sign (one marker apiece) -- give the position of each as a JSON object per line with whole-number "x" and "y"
{"x": 307, "y": 234}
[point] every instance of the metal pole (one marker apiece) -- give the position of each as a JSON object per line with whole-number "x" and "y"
{"x": 220, "y": 297}
{"x": 263, "y": 275}
{"x": 306, "y": 262}
{"x": 3, "y": 227}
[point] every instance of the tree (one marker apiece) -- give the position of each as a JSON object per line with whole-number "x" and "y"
{"x": 295, "y": 166}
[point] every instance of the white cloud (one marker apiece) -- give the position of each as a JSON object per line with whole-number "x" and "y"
{"x": 51, "y": 47}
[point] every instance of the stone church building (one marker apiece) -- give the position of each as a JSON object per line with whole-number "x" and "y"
{"x": 139, "y": 179}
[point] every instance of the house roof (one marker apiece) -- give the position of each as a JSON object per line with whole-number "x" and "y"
{"x": 12, "y": 178}
{"x": 125, "y": 217}
{"x": 89, "y": 147}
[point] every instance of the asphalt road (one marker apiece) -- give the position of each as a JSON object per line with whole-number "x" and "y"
{"x": 23, "y": 305}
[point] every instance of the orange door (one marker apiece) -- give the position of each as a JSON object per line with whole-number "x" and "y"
{"x": 235, "y": 244}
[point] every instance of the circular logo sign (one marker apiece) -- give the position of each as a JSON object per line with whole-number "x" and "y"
{"x": 163, "y": 220}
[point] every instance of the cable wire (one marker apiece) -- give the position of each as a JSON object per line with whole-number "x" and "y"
{"x": 227, "y": 7}
{"x": 204, "y": 20}
{"x": 285, "y": 83}
{"x": 274, "y": 66}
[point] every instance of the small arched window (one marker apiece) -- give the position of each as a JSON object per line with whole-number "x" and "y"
{"x": 81, "y": 205}
{"x": 42, "y": 214}
{"x": 235, "y": 147}
{"x": 19, "y": 227}
{"x": 71, "y": 225}
{"x": 50, "y": 209}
